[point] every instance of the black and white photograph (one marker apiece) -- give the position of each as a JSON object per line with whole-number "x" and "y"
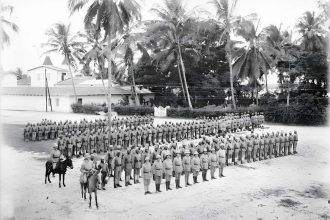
{"x": 164, "y": 109}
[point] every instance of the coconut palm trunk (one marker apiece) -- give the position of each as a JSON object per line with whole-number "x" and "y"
{"x": 136, "y": 98}
{"x": 266, "y": 74}
{"x": 257, "y": 98}
{"x": 183, "y": 73}
{"x": 180, "y": 77}
{"x": 102, "y": 79}
{"x": 231, "y": 74}
{"x": 109, "y": 85}
{"x": 72, "y": 81}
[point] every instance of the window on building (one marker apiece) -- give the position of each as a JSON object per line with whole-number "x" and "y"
{"x": 80, "y": 101}
{"x": 57, "y": 102}
{"x": 63, "y": 76}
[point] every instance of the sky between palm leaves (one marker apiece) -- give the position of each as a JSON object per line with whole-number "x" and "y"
{"x": 34, "y": 17}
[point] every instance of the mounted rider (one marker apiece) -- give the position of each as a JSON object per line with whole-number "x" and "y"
{"x": 86, "y": 168}
{"x": 55, "y": 155}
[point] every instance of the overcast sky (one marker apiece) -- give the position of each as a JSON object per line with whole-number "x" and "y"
{"x": 34, "y": 17}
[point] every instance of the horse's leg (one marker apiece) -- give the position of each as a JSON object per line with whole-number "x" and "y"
{"x": 63, "y": 179}
{"x": 59, "y": 183}
{"x": 82, "y": 190}
{"x": 85, "y": 191}
{"x": 90, "y": 200}
{"x": 46, "y": 175}
{"x": 97, "y": 205}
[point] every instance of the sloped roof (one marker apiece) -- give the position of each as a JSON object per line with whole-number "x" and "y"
{"x": 62, "y": 91}
{"x": 77, "y": 80}
{"x": 47, "y": 61}
{"x": 49, "y": 67}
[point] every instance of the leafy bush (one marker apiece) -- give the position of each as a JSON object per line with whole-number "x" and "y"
{"x": 92, "y": 109}
{"x": 133, "y": 110}
{"x": 304, "y": 109}
{"x": 208, "y": 111}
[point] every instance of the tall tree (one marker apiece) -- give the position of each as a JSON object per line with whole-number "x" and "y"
{"x": 113, "y": 16}
{"x": 253, "y": 60}
{"x": 6, "y": 25}
{"x": 61, "y": 40}
{"x": 313, "y": 34}
{"x": 227, "y": 21}
{"x": 172, "y": 28}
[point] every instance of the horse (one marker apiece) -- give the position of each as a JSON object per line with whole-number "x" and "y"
{"x": 91, "y": 185}
{"x": 61, "y": 167}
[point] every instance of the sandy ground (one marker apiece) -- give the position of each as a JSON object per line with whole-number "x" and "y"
{"x": 292, "y": 187}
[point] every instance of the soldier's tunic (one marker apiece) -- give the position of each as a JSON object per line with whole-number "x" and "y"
{"x": 271, "y": 146}
{"x": 286, "y": 144}
{"x": 221, "y": 157}
{"x": 243, "y": 146}
{"x": 157, "y": 170}
{"x": 146, "y": 174}
{"x": 277, "y": 145}
{"x": 109, "y": 158}
{"x": 118, "y": 169}
{"x": 282, "y": 143}
{"x": 213, "y": 163}
{"x": 236, "y": 144}
{"x": 204, "y": 165}
{"x": 177, "y": 167}
{"x": 266, "y": 147}
{"x": 261, "y": 148}
{"x": 186, "y": 168}
{"x": 195, "y": 165}
{"x": 255, "y": 148}
{"x": 290, "y": 144}
{"x": 168, "y": 169}
{"x": 295, "y": 142}
{"x": 137, "y": 164}
{"x": 229, "y": 146}
{"x": 127, "y": 165}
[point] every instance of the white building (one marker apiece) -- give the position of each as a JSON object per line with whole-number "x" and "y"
{"x": 9, "y": 79}
{"x": 34, "y": 99}
{"x": 47, "y": 72}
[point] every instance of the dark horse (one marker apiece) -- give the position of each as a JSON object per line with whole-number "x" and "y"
{"x": 60, "y": 169}
{"x": 91, "y": 185}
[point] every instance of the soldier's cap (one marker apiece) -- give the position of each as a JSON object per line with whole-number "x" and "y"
{"x": 87, "y": 156}
{"x": 187, "y": 152}
{"x": 204, "y": 150}
{"x": 213, "y": 149}
{"x": 195, "y": 153}
{"x": 158, "y": 156}
{"x": 55, "y": 145}
{"x": 147, "y": 158}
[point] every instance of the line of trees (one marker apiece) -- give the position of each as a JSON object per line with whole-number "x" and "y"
{"x": 194, "y": 62}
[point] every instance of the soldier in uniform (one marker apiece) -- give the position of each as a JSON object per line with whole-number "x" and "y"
{"x": 186, "y": 166}
{"x": 204, "y": 159}
{"x": 86, "y": 168}
{"x": 221, "y": 158}
{"x": 295, "y": 142}
{"x": 196, "y": 166}
{"x": 213, "y": 162}
{"x": 55, "y": 155}
{"x": 286, "y": 144}
{"x": 236, "y": 144}
{"x": 103, "y": 167}
{"x": 146, "y": 175}
{"x": 118, "y": 168}
{"x": 282, "y": 143}
{"x": 137, "y": 166}
{"x": 229, "y": 148}
{"x": 271, "y": 145}
{"x": 157, "y": 169}
{"x": 127, "y": 165}
{"x": 277, "y": 144}
{"x": 266, "y": 146}
{"x": 243, "y": 146}
{"x": 168, "y": 170}
{"x": 177, "y": 168}
{"x": 261, "y": 147}
{"x": 290, "y": 143}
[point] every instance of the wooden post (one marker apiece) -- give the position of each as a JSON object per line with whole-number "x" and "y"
{"x": 46, "y": 89}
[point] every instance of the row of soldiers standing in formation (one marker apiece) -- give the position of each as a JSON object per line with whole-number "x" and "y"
{"x": 97, "y": 140}
{"x": 49, "y": 130}
{"x": 171, "y": 160}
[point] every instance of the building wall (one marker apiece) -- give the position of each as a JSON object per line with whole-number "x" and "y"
{"x": 38, "y": 77}
{"x": 9, "y": 80}
{"x": 59, "y": 103}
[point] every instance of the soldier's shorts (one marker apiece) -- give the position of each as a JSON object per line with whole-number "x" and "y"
{"x": 168, "y": 177}
{"x": 158, "y": 179}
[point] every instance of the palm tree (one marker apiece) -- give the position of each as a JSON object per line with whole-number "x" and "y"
{"x": 6, "y": 23}
{"x": 61, "y": 40}
{"x": 313, "y": 34}
{"x": 173, "y": 30}
{"x": 227, "y": 21}
{"x": 113, "y": 16}
{"x": 253, "y": 60}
